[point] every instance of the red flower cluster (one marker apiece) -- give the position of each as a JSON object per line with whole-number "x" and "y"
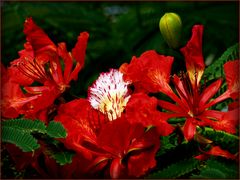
{"x": 151, "y": 73}
{"x": 114, "y": 131}
{"x": 39, "y": 63}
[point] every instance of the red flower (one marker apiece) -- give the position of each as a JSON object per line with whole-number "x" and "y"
{"x": 125, "y": 150}
{"x": 40, "y": 62}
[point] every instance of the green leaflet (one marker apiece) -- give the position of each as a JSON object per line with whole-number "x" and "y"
{"x": 63, "y": 157}
{"x": 57, "y": 151}
{"x": 56, "y": 130}
{"x": 20, "y": 138}
{"x": 176, "y": 170}
{"x": 218, "y": 169}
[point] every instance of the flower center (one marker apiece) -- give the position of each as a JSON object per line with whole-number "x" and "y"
{"x": 109, "y": 94}
{"x": 190, "y": 93}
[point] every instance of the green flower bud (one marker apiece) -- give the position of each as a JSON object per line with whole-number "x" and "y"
{"x": 171, "y": 28}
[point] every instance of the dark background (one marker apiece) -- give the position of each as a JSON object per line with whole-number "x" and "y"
{"x": 118, "y": 30}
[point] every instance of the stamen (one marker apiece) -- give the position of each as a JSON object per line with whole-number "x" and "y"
{"x": 109, "y": 94}
{"x": 32, "y": 70}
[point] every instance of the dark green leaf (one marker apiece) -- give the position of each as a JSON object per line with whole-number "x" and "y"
{"x": 176, "y": 170}
{"x": 225, "y": 140}
{"x": 218, "y": 169}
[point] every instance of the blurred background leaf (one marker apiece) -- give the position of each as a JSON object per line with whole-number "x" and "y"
{"x": 118, "y": 30}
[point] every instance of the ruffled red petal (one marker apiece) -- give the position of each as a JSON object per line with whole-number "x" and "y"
{"x": 79, "y": 52}
{"x": 143, "y": 109}
{"x": 37, "y": 37}
{"x": 150, "y": 72}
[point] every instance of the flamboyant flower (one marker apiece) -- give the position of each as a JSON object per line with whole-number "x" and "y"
{"x": 109, "y": 94}
{"x": 40, "y": 62}
{"x": 192, "y": 103}
{"x": 117, "y": 147}
{"x": 107, "y": 135}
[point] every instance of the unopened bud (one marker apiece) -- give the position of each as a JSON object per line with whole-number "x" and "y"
{"x": 171, "y": 28}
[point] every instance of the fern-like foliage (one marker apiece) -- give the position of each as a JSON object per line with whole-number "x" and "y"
{"x": 22, "y": 139}
{"x": 19, "y": 132}
{"x": 176, "y": 170}
{"x": 26, "y": 125}
{"x": 214, "y": 168}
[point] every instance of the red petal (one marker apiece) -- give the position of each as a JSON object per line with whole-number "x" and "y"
{"x": 68, "y": 62}
{"x": 37, "y": 37}
{"x": 213, "y": 114}
{"x": 79, "y": 50}
{"x": 36, "y": 89}
{"x": 80, "y": 115}
{"x": 170, "y": 107}
{"x": 143, "y": 109}
{"x": 217, "y": 151}
{"x": 143, "y": 160}
{"x": 220, "y": 98}
{"x": 231, "y": 69}
{"x": 209, "y": 92}
{"x": 115, "y": 168}
{"x": 98, "y": 164}
{"x": 228, "y": 121}
{"x": 189, "y": 129}
{"x": 78, "y": 53}
{"x": 164, "y": 129}
{"x": 193, "y": 55}
{"x": 202, "y": 157}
